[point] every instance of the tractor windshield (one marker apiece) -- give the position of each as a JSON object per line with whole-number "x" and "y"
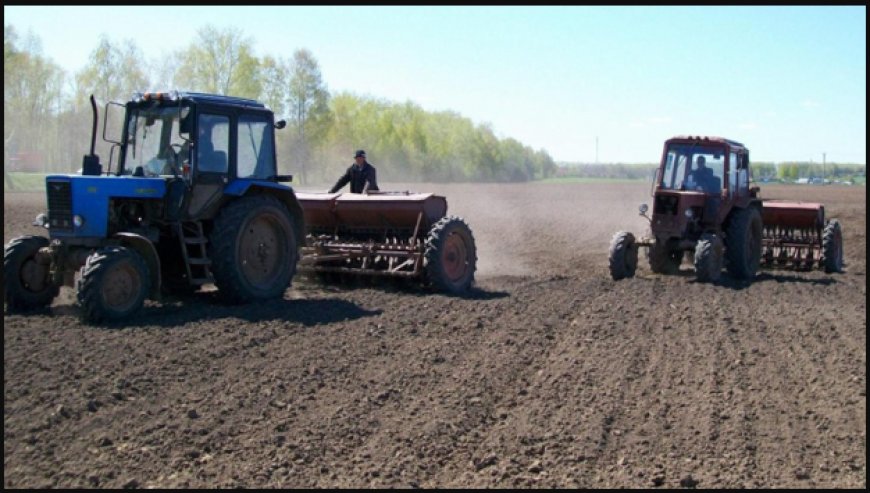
{"x": 153, "y": 141}
{"x": 693, "y": 167}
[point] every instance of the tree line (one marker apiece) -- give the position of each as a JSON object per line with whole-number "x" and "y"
{"x": 47, "y": 113}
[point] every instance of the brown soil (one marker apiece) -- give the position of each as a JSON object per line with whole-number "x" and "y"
{"x": 549, "y": 374}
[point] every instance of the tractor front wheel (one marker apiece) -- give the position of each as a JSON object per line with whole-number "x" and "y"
{"x": 708, "y": 258}
{"x": 113, "y": 284}
{"x": 832, "y": 247}
{"x": 623, "y": 255}
{"x": 450, "y": 256}
{"x": 26, "y": 283}
{"x": 254, "y": 250}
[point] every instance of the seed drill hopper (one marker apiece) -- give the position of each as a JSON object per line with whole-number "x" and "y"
{"x": 387, "y": 234}
{"x": 705, "y": 209}
{"x": 796, "y": 235}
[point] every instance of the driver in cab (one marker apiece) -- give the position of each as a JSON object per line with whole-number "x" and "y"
{"x": 702, "y": 177}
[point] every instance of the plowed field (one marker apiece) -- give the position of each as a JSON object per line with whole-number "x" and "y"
{"x": 549, "y": 374}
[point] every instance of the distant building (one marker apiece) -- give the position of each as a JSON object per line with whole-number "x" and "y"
{"x": 26, "y": 161}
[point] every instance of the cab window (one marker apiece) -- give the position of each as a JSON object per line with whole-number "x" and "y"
{"x": 255, "y": 156}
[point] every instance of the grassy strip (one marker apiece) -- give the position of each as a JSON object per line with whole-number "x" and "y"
{"x": 24, "y": 182}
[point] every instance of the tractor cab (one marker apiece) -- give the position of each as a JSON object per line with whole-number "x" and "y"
{"x": 710, "y": 165}
{"x": 198, "y": 141}
{"x": 697, "y": 183}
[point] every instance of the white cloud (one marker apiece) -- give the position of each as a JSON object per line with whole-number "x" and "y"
{"x": 809, "y": 103}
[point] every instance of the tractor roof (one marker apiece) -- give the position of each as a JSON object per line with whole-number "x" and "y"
{"x": 201, "y": 97}
{"x": 198, "y": 97}
{"x": 706, "y": 139}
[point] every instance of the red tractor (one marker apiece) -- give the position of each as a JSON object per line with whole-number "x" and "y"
{"x": 704, "y": 208}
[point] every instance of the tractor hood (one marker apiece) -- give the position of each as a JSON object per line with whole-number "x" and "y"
{"x": 88, "y": 197}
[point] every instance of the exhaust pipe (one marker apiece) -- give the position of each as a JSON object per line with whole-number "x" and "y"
{"x": 91, "y": 162}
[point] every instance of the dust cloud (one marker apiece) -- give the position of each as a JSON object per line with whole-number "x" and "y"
{"x": 526, "y": 228}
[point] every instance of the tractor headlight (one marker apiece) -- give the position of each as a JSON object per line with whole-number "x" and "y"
{"x": 690, "y": 213}
{"x": 643, "y": 208}
{"x": 41, "y": 220}
{"x": 78, "y": 221}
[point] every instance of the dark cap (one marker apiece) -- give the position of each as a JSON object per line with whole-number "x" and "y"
{"x": 360, "y": 153}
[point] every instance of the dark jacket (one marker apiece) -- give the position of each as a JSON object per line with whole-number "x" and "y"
{"x": 706, "y": 180}
{"x": 361, "y": 179}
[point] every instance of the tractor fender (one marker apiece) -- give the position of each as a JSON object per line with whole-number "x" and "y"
{"x": 145, "y": 248}
{"x": 244, "y": 188}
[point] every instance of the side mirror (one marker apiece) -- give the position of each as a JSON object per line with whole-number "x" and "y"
{"x": 114, "y": 121}
{"x": 185, "y": 122}
{"x": 280, "y": 124}
{"x": 655, "y": 182}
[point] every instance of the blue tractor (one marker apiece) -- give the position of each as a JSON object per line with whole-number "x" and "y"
{"x": 195, "y": 198}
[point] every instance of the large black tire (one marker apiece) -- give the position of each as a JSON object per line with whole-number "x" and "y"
{"x": 743, "y": 243}
{"x": 663, "y": 260}
{"x": 113, "y": 285}
{"x": 832, "y": 247}
{"x": 26, "y": 284}
{"x": 450, "y": 258}
{"x": 623, "y": 255}
{"x": 708, "y": 258}
{"x": 253, "y": 249}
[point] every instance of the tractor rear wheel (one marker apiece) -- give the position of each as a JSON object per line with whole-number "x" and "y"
{"x": 450, "y": 255}
{"x": 253, "y": 249}
{"x": 26, "y": 283}
{"x": 708, "y": 258}
{"x": 832, "y": 247}
{"x": 743, "y": 243}
{"x": 663, "y": 260}
{"x": 113, "y": 285}
{"x": 623, "y": 255}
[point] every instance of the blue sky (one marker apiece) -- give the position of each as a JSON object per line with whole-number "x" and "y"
{"x": 789, "y": 82}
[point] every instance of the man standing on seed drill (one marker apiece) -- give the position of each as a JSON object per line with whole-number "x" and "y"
{"x": 361, "y": 175}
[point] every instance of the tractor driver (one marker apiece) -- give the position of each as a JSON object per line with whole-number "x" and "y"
{"x": 361, "y": 175}
{"x": 702, "y": 177}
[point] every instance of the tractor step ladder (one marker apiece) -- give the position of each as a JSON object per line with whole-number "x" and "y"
{"x": 196, "y": 260}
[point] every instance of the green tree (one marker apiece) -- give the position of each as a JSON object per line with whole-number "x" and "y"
{"x": 274, "y": 74}
{"x": 308, "y": 104}
{"x": 32, "y": 96}
{"x": 114, "y": 72}
{"x": 220, "y": 62}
